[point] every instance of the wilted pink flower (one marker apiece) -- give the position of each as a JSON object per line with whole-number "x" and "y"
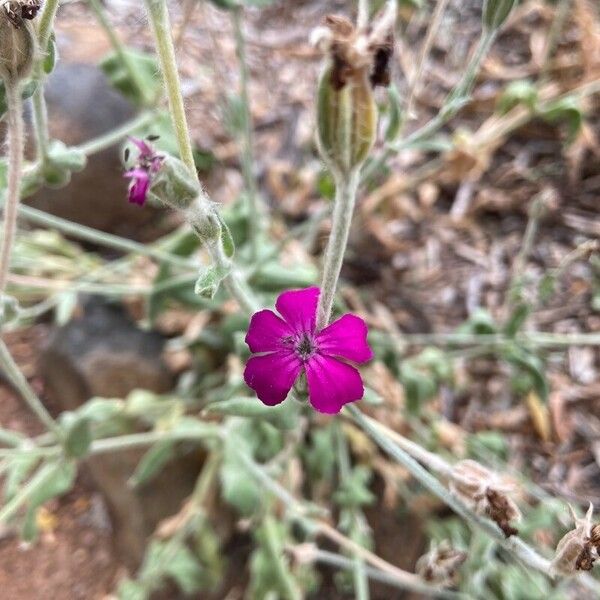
{"x": 290, "y": 345}
{"x": 147, "y": 165}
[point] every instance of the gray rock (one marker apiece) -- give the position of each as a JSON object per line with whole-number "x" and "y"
{"x": 81, "y": 106}
{"x": 102, "y": 353}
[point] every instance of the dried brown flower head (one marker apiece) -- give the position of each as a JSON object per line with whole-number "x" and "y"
{"x": 441, "y": 564}
{"x": 487, "y": 493}
{"x": 356, "y": 53}
{"x": 356, "y": 60}
{"x": 19, "y": 10}
{"x": 578, "y": 549}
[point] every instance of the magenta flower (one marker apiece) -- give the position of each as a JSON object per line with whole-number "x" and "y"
{"x": 290, "y": 345}
{"x": 148, "y": 164}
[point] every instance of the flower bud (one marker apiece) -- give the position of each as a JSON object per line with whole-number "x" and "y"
{"x": 174, "y": 184}
{"x": 486, "y": 493}
{"x": 346, "y": 119}
{"x": 17, "y": 45}
{"x": 495, "y": 12}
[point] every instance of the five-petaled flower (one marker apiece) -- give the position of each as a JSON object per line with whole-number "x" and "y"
{"x": 147, "y": 166}
{"x": 288, "y": 346}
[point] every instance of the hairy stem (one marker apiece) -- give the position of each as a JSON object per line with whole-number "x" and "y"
{"x": 254, "y": 212}
{"x": 345, "y": 199}
{"x": 514, "y": 545}
{"x": 415, "y": 84}
{"x": 12, "y": 371}
{"x": 40, "y": 112}
{"x": 161, "y": 27}
{"x": 159, "y": 18}
{"x": 288, "y": 585}
{"x": 115, "y": 136}
{"x": 361, "y": 583}
{"x": 362, "y": 18}
{"x": 15, "y": 165}
{"x": 400, "y": 579}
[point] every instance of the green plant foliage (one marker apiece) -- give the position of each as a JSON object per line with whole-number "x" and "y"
{"x": 119, "y": 76}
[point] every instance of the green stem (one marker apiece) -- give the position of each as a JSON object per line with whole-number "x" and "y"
{"x": 287, "y": 584}
{"x": 514, "y": 545}
{"x": 121, "y": 51}
{"x": 43, "y": 475}
{"x": 361, "y": 582}
{"x": 515, "y": 288}
{"x": 159, "y": 18}
{"x": 161, "y": 27}
{"x": 40, "y": 111}
{"x": 46, "y": 22}
{"x": 409, "y": 582}
{"x": 40, "y": 121}
{"x": 12, "y": 371}
{"x": 152, "y": 577}
{"x": 538, "y": 339}
{"x": 254, "y": 213}
{"x": 116, "y": 135}
{"x": 15, "y": 166}
{"x": 89, "y": 234}
{"x": 345, "y": 199}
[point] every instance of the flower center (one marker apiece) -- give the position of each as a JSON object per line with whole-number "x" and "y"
{"x": 305, "y": 347}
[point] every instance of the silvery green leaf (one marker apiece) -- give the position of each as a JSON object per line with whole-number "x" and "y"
{"x": 395, "y": 115}
{"x": 77, "y": 434}
{"x": 153, "y": 462}
{"x": 209, "y": 280}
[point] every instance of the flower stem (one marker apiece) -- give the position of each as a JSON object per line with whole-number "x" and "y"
{"x": 287, "y": 584}
{"x": 514, "y": 545}
{"x": 456, "y": 99}
{"x": 15, "y": 165}
{"x": 39, "y": 217}
{"x": 12, "y": 371}
{"x": 399, "y": 579}
{"x": 361, "y": 583}
{"x": 40, "y": 111}
{"x": 254, "y": 214}
{"x": 114, "y": 136}
{"x": 161, "y": 26}
{"x": 159, "y": 18}
{"x": 345, "y": 199}
{"x": 362, "y": 19}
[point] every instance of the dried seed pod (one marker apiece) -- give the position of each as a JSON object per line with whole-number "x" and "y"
{"x": 17, "y": 43}
{"x": 577, "y": 551}
{"x": 356, "y": 62}
{"x": 486, "y": 493}
{"x": 441, "y": 564}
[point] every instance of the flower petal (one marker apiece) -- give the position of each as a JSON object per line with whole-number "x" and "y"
{"x": 346, "y": 337}
{"x": 266, "y": 332}
{"x": 299, "y": 308}
{"x": 138, "y": 188}
{"x": 332, "y": 383}
{"x": 143, "y": 147}
{"x": 272, "y": 376}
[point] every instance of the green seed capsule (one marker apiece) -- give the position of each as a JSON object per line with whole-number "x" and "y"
{"x": 17, "y": 49}
{"x": 346, "y": 120}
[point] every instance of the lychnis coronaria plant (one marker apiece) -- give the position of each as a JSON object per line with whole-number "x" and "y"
{"x": 289, "y": 345}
